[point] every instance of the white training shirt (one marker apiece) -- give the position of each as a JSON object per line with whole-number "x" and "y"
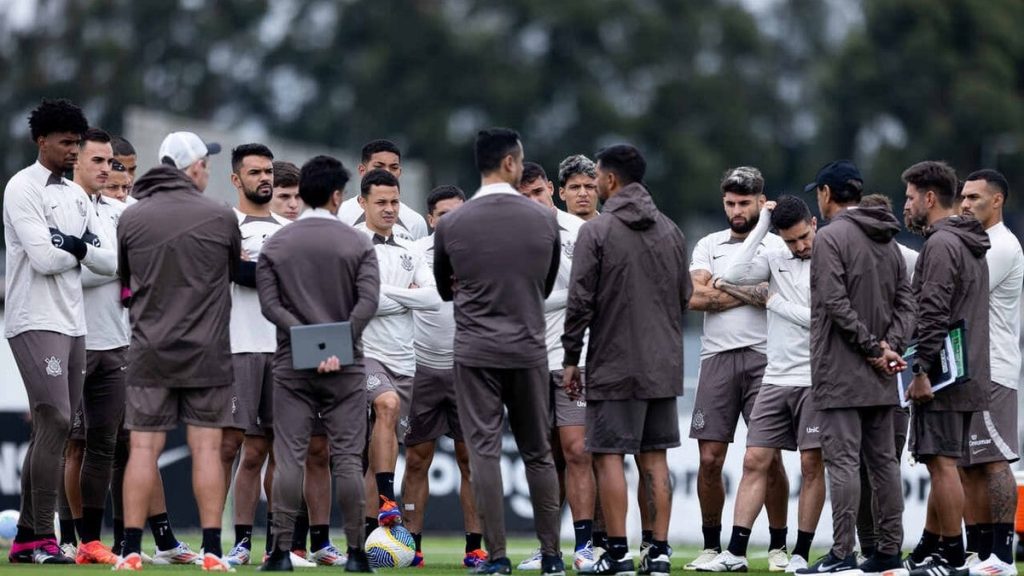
{"x": 389, "y": 337}
{"x": 910, "y": 258}
{"x": 105, "y": 316}
{"x": 434, "y": 329}
{"x": 789, "y": 308}
{"x": 554, "y": 306}
{"x": 741, "y": 327}
{"x": 1006, "y": 278}
{"x": 410, "y": 225}
{"x": 250, "y": 331}
{"x": 44, "y": 285}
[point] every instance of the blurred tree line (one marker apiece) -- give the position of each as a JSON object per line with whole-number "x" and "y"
{"x": 698, "y": 85}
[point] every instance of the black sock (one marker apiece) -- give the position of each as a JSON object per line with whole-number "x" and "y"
{"x": 132, "y": 541}
{"x": 270, "y": 533}
{"x": 371, "y": 525}
{"x": 118, "y": 536}
{"x": 1002, "y": 541}
{"x": 319, "y": 537}
{"x": 617, "y": 547}
{"x": 584, "y": 530}
{"x": 928, "y": 545}
{"x": 211, "y": 542}
{"x": 67, "y": 532}
{"x": 777, "y": 538}
{"x": 600, "y": 539}
{"x": 738, "y": 542}
{"x": 160, "y": 526}
{"x": 973, "y": 531}
{"x": 46, "y": 536}
{"x": 301, "y": 531}
{"x": 984, "y": 540}
{"x": 867, "y": 551}
{"x": 712, "y": 537}
{"x": 953, "y": 550}
{"x": 243, "y": 535}
{"x": 386, "y": 485}
{"x": 92, "y": 524}
{"x": 25, "y": 534}
{"x": 647, "y": 536}
{"x": 803, "y": 544}
{"x": 474, "y": 541}
{"x": 658, "y": 548}
{"x": 418, "y": 539}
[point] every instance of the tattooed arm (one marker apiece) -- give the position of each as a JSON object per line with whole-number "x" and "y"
{"x": 708, "y": 298}
{"x": 756, "y": 295}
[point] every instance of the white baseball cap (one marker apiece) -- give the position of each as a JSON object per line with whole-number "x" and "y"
{"x": 183, "y": 149}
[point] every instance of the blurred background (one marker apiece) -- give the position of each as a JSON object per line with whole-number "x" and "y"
{"x": 698, "y": 85}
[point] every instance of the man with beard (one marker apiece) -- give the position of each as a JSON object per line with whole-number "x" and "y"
{"x": 577, "y": 186}
{"x": 733, "y": 360}
{"x": 951, "y": 285}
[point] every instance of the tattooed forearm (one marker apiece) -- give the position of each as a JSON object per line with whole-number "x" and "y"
{"x": 755, "y": 295}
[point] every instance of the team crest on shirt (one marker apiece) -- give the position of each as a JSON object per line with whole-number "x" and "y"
{"x": 568, "y": 247}
{"x": 234, "y": 405}
{"x": 406, "y": 262}
{"x": 81, "y": 207}
{"x": 372, "y": 382}
{"x": 698, "y": 420}
{"x": 53, "y": 366}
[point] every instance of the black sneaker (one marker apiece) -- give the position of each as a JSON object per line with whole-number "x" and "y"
{"x": 938, "y": 566}
{"x": 552, "y": 565}
{"x": 49, "y": 553}
{"x": 357, "y": 561}
{"x": 606, "y": 565}
{"x": 494, "y": 566}
{"x": 651, "y": 565}
{"x": 830, "y": 564}
{"x": 910, "y": 564}
{"x": 879, "y": 563}
{"x": 279, "y": 561}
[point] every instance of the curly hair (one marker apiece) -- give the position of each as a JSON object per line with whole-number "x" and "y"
{"x": 52, "y": 116}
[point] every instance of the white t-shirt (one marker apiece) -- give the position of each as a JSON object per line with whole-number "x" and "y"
{"x": 554, "y": 307}
{"x": 741, "y": 327}
{"x": 389, "y": 337}
{"x": 105, "y": 316}
{"x": 250, "y": 331}
{"x": 910, "y": 258}
{"x": 1006, "y": 278}
{"x": 410, "y": 225}
{"x": 435, "y": 329}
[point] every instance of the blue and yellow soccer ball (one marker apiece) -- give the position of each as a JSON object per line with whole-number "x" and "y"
{"x": 390, "y": 547}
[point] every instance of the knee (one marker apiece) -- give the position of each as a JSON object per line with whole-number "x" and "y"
{"x": 416, "y": 463}
{"x": 576, "y": 455}
{"x": 811, "y": 467}
{"x": 229, "y": 446}
{"x": 757, "y": 461}
{"x": 52, "y": 421}
{"x": 386, "y": 407}
{"x": 101, "y": 443}
{"x": 318, "y": 452}
{"x": 253, "y": 457}
{"x": 347, "y": 467}
{"x": 711, "y": 461}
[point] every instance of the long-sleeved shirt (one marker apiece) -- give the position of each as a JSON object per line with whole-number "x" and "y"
{"x": 44, "y": 286}
{"x": 410, "y": 225}
{"x": 316, "y": 270}
{"x": 389, "y": 337}
{"x": 554, "y": 306}
{"x": 105, "y": 315}
{"x": 435, "y": 329}
{"x": 789, "y": 308}
{"x": 250, "y": 331}
{"x": 1006, "y": 279}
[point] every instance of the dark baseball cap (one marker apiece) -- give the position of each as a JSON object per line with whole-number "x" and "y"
{"x": 833, "y": 174}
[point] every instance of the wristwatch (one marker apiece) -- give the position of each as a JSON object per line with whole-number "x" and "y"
{"x": 917, "y": 369}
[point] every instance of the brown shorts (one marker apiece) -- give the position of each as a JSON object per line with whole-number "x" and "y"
{"x": 252, "y": 400}
{"x": 726, "y": 389}
{"x": 993, "y": 432}
{"x": 935, "y": 433}
{"x": 433, "y": 411}
{"x": 567, "y": 412}
{"x": 631, "y": 426}
{"x": 784, "y": 417}
{"x": 153, "y": 409}
{"x": 102, "y": 402}
{"x": 380, "y": 379}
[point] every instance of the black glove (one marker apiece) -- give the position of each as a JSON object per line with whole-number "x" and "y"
{"x": 91, "y": 239}
{"x": 70, "y": 244}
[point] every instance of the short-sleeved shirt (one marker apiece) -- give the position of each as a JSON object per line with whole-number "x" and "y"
{"x": 1006, "y": 277}
{"x": 554, "y": 315}
{"x": 250, "y": 331}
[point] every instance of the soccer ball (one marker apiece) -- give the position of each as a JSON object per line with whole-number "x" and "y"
{"x": 390, "y": 547}
{"x": 8, "y": 527}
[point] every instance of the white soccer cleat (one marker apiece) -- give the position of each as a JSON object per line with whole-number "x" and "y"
{"x": 330, "y": 556}
{"x": 583, "y": 559}
{"x": 707, "y": 555}
{"x": 300, "y": 562}
{"x": 796, "y": 562}
{"x": 531, "y": 563}
{"x": 973, "y": 559}
{"x": 180, "y": 554}
{"x": 993, "y": 566}
{"x": 240, "y": 554}
{"x": 725, "y": 562}
{"x": 70, "y": 550}
{"x": 778, "y": 560}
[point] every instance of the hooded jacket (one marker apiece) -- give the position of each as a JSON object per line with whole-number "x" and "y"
{"x": 177, "y": 251}
{"x": 950, "y": 285}
{"x": 860, "y": 296}
{"x": 630, "y": 286}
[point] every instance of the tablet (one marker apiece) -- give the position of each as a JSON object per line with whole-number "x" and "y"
{"x": 314, "y": 343}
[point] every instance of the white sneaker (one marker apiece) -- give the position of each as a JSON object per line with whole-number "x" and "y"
{"x": 70, "y": 550}
{"x": 240, "y": 554}
{"x": 180, "y": 554}
{"x": 583, "y": 559}
{"x": 725, "y": 562}
{"x": 796, "y": 562}
{"x": 707, "y": 555}
{"x": 300, "y": 562}
{"x": 993, "y": 566}
{"x": 531, "y": 563}
{"x": 330, "y": 556}
{"x": 972, "y": 559}
{"x": 778, "y": 559}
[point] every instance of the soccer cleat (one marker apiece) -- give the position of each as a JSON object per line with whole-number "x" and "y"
{"x": 938, "y": 566}
{"x": 69, "y": 550}
{"x": 583, "y": 559}
{"x": 880, "y": 563}
{"x": 494, "y": 566}
{"x": 21, "y": 552}
{"x": 909, "y": 564}
{"x": 180, "y": 554}
{"x": 300, "y": 552}
{"x": 778, "y": 559}
{"x": 358, "y": 562}
{"x": 132, "y": 561}
{"x": 417, "y": 560}
{"x": 531, "y": 563}
{"x": 240, "y": 554}
{"x": 725, "y": 562}
{"x": 993, "y": 566}
{"x": 552, "y": 565}
{"x": 95, "y": 553}
{"x": 654, "y": 565}
{"x": 48, "y": 552}
{"x": 278, "y": 561}
{"x": 389, "y": 514}
{"x": 329, "y": 556}
{"x": 830, "y": 564}
{"x": 300, "y": 562}
{"x": 706, "y": 555}
{"x": 608, "y": 566}
{"x": 474, "y": 558}
{"x": 796, "y": 562}
{"x": 972, "y": 559}
{"x": 214, "y": 563}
